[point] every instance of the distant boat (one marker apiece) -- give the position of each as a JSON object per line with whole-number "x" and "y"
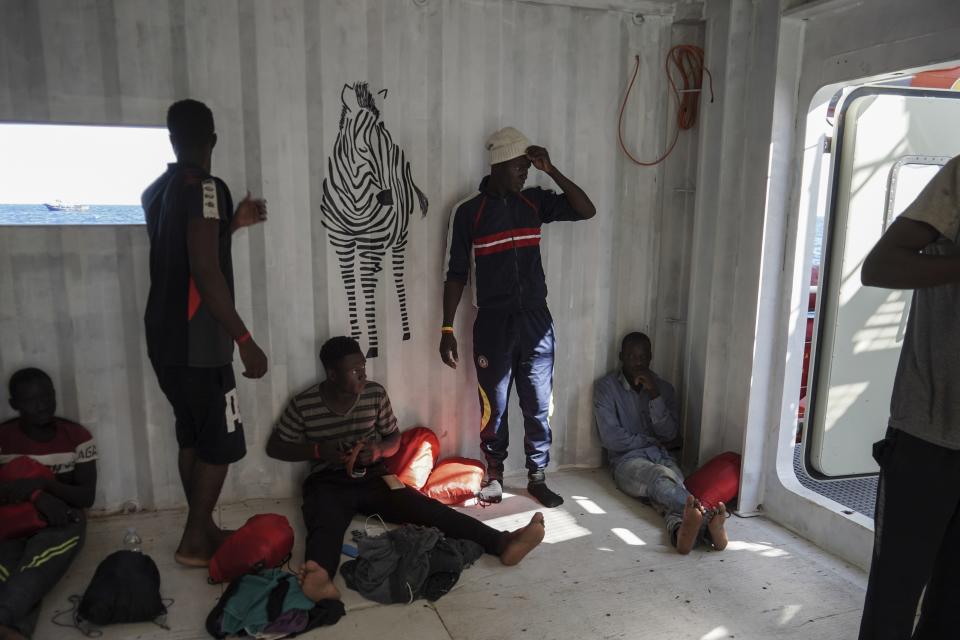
{"x": 60, "y": 205}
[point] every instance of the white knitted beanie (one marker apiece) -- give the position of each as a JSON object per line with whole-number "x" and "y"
{"x": 506, "y": 144}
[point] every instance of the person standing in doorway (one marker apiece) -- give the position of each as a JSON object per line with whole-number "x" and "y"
{"x": 191, "y": 318}
{"x": 917, "y": 520}
{"x": 494, "y": 238}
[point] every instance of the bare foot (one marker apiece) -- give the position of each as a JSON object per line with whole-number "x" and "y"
{"x": 218, "y": 536}
{"x": 690, "y": 527}
{"x": 316, "y": 583}
{"x": 6, "y": 633}
{"x": 194, "y": 551}
{"x": 523, "y": 541}
{"x": 717, "y": 529}
{"x": 193, "y": 562}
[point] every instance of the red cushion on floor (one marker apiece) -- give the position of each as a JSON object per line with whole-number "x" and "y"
{"x": 716, "y": 481}
{"x": 21, "y": 519}
{"x": 263, "y": 542}
{"x": 455, "y": 480}
{"x": 24, "y": 467}
{"x": 416, "y": 457}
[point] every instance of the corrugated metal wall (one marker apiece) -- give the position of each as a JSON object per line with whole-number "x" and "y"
{"x": 71, "y": 298}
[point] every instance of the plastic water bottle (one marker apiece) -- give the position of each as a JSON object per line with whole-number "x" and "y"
{"x": 131, "y": 541}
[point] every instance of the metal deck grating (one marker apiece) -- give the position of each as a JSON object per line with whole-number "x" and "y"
{"x": 859, "y": 494}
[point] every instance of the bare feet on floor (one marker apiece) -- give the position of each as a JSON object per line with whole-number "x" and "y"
{"x": 191, "y": 560}
{"x": 316, "y": 583}
{"x": 196, "y": 551}
{"x": 218, "y": 536}
{"x": 6, "y": 633}
{"x": 718, "y": 532}
{"x": 523, "y": 541}
{"x": 690, "y": 527}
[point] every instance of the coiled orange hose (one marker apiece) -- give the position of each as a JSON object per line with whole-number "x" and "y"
{"x": 687, "y": 60}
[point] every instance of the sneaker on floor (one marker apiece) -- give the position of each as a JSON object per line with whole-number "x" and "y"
{"x": 539, "y": 490}
{"x": 491, "y": 492}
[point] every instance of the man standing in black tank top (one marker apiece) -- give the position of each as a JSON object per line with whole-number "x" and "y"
{"x": 191, "y": 318}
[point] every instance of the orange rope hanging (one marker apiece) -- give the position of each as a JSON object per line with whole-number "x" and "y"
{"x": 687, "y": 60}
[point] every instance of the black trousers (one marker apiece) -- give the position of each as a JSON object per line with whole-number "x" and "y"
{"x": 916, "y": 542}
{"x": 29, "y": 569}
{"x": 331, "y": 499}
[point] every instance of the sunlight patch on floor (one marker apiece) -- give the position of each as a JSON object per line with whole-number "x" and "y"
{"x": 588, "y": 505}
{"x": 789, "y": 613}
{"x": 628, "y": 536}
{"x": 764, "y": 550}
{"x": 560, "y": 524}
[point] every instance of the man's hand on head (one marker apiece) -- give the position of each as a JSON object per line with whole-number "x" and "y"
{"x": 540, "y": 158}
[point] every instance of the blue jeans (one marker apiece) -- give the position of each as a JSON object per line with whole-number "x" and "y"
{"x": 518, "y": 347}
{"x": 661, "y": 483}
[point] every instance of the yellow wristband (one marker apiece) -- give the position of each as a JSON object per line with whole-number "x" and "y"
{"x": 446, "y": 329}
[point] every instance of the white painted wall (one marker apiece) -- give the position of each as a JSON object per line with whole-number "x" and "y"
{"x": 71, "y": 298}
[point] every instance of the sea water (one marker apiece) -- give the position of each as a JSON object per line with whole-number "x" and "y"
{"x": 37, "y": 214}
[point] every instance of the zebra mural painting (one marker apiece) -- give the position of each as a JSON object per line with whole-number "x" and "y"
{"x": 368, "y": 199}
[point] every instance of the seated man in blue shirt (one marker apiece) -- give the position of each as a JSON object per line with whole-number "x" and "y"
{"x": 637, "y": 416}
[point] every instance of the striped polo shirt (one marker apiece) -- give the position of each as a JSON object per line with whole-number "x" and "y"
{"x": 307, "y": 418}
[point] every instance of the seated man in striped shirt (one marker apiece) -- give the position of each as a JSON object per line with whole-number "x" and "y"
{"x": 345, "y": 426}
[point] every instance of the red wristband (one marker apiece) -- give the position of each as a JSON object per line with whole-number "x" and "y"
{"x": 246, "y": 336}
{"x": 316, "y": 450}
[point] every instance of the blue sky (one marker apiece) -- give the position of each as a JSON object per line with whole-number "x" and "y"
{"x": 80, "y": 164}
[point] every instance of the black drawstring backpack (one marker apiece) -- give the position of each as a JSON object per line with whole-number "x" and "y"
{"x": 125, "y": 588}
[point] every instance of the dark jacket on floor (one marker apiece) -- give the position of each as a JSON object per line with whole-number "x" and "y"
{"x": 407, "y": 563}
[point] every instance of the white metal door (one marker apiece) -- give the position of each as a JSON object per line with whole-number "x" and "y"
{"x": 888, "y": 144}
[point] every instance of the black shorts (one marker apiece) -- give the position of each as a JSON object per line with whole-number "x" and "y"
{"x": 207, "y": 411}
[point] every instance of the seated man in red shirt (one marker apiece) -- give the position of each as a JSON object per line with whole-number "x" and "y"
{"x": 31, "y": 565}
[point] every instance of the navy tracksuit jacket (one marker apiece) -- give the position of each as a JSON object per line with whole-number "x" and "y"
{"x": 497, "y": 242}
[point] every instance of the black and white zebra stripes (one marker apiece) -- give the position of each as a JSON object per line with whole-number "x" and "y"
{"x": 368, "y": 198}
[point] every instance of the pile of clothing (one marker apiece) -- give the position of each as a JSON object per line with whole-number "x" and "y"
{"x": 269, "y": 604}
{"x": 408, "y": 563}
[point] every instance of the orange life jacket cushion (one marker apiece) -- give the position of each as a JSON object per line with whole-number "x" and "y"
{"x": 455, "y": 480}
{"x": 716, "y": 481}
{"x": 416, "y": 457}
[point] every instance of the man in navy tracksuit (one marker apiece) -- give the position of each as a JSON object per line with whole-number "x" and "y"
{"x": 496, "y": 236}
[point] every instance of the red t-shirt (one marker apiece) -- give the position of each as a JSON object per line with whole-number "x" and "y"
{"x": 71, "y": 445}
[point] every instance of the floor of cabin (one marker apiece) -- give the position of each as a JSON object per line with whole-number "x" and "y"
{"x": 606, "y": 570}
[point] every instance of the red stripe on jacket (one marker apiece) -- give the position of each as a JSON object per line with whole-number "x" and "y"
{"x": 503, "y": 235}
{"x": 193, "y": 300}
{"x": 507, "y": 246}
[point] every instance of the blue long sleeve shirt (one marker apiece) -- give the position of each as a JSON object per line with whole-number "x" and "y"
{"x": 631, "y": 424}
